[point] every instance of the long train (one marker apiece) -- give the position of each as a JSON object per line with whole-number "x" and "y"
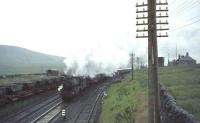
{"x": 72, "y": 86}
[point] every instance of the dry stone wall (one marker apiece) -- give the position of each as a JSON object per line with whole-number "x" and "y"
{"x": 170, "y": 112}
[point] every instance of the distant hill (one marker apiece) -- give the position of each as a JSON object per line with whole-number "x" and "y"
{"x": 16, "y": 60}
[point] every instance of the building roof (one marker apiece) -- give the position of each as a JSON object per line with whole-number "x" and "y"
{"x": 186, "y": 58}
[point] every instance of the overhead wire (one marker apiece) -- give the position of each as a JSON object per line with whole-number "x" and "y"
{"x": 173, "y": 3}
{"x": 179, "y": 6}
{"x": 186, "y": 9}
{"x": 186, "y": 25}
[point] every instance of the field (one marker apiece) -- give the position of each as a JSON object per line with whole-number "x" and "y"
{"x": 127, "y": 99}
{"x": 21, "y": 78}
{"x": 184, "y": 85}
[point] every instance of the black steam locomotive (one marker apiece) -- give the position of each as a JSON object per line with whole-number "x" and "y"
{"x": 72, "y": 86}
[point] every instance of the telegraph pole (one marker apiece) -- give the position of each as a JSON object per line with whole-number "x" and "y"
{"x": 150, "y": 28}
{"x": 176, "y": 51}
{"x": 132, "y": 57}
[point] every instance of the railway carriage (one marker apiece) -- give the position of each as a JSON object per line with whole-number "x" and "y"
{"x": 27, "y": 89}
{"x": 39, "y": 86}
{"x": 3, "y": 95}
{"x": 11, "y": 91}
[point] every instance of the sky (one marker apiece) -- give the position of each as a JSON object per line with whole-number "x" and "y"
{"x": 99, "y": 31}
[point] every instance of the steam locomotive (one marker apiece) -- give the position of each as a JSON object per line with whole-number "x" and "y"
{"x": 73, "y": 85}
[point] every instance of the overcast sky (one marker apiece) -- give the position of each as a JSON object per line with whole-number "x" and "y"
{"x": 103, "y": 30}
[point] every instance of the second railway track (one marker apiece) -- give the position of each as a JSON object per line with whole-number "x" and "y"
{"x": 48, "y": 115}
{"x": 87, "y": 110}
{"x": 29, "y": 114}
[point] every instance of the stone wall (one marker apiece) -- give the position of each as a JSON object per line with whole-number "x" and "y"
{"x": 170, "y": 112}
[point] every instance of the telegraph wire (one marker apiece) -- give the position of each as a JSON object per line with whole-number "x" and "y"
{"x": 184, "y": 8}
{"x": 186, "y": 25}
{"x": 181, "y": 5}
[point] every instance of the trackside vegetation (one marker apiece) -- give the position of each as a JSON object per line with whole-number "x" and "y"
{"x": 127, "y": 99}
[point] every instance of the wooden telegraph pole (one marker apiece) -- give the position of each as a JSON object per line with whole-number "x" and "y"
{"x": 150, "y": 28}
{"x": 132, "y": 57}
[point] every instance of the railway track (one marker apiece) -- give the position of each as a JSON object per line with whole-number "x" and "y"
{"x": 49, "y": 115}
{"x": 87, "y": 110}
{"x": 80, "y": 110}
{"x": 29, "y": 114}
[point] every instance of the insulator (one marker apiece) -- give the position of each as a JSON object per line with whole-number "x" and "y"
{"x": 166, "y": 33}
{"x": 159, "y": 1}
{"x": 166, "y": 14}
{"x": 160, "y": 34}
{"x": 136, "y": 4}
{"x": 137, "y": 22}
{"x": 166, "y": 21}
{"x": 137, "y": 34}
{"x": 166, "y": 8}
{"x": 160, "y": 14}
{"x": 143, "y": 15}
{"x": 137, "y": 16}
{"x": 143, "y": 34}
{"x": 143, "y": 3}
{"x": 143, "y": 21}
{"x": 137, "y": 10}
{"x": 159, "y": 21}
{"x": 144, "y": 28}
{"x": 159, "y": 8}
{"x": 143, "y": 9}
{"x": 160, "y": 27}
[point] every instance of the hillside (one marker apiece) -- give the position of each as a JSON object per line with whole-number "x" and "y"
{"x": 127, "y": 99}
{"x": 16, "y": 60}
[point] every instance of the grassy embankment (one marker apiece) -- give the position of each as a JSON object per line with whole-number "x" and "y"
{"x": 127, "y": 99}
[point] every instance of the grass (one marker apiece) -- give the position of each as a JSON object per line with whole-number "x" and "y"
{"x": 184, "y": 84}
{"x": 127, "y": 99}
{"x": 20, "y": 78}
